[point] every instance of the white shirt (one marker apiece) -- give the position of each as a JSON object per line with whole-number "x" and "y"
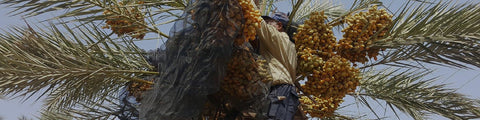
{"x": 279, "y": 52}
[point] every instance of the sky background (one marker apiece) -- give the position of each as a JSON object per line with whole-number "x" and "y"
{"x": 467, "y": 81}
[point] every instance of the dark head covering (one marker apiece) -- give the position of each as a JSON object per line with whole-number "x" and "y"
{"x": 278, "y": 16}
{"x": 283, "y": 18}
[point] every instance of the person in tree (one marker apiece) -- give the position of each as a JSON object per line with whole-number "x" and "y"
{"x": 279, "y": 51}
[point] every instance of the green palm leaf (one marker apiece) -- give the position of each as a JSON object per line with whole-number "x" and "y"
{"x": 73, "y": 66}
{"x": 407, "y": 91}
{"x": 439, "y": 33}
{"x": 88, "y": 11}
{"x": 30, "y": 8}
{"x": 309, "y": 6}
{"x": 85, "y": 110}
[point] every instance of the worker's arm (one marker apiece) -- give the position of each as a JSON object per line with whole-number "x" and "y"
{"x": 279, "y": 46}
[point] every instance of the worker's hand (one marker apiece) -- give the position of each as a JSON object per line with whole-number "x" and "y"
{"x": 280, "y": 98}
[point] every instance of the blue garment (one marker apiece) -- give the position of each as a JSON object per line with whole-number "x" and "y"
{"x": 282, "y": 17}
{"x": 283, "y": 109}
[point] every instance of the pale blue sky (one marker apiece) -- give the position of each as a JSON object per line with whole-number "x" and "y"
{"x": 466, "y": 80}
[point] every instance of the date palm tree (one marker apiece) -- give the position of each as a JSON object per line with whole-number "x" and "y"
{"x": 79, "y": 67}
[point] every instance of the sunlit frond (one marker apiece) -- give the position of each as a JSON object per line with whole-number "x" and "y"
{"x": 309, "y": 6}
{"x": 340, "y": 117}
{"x": 408, "y": 91}
{"x": 440, "y": 33}
{"x": 91, "y": 10}
{"x": 340, "y": 114}
{"x": 72, "y": 65}
{"x": 77, "y": 8}
{"x": 363, "y": 4}
{"x": 108, "y": 109}
{"x": 358, "y": 5}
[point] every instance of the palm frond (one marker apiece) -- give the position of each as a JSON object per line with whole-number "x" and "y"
{"x": 77, "y": 8}
{"x": 363, "y": 4}
{"x": 407, "y": 91}
{"x": 309, "y": 6}
{"x": 440, "y": 33}
{"x": 91, "y": 10}
{"x": 73, "y": 65}
{"x": 340, "y": 114}
{"x": 23, "y": 117}
{"x": 337, "y": 116}
{"x": 267, "y": 6}
{"x": 108, "y": 109}
{"x": 357, "y": 5}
